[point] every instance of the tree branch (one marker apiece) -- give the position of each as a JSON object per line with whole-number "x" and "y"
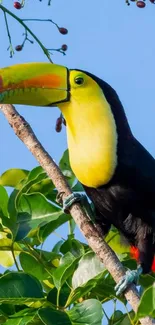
{"x": 93, "y": 235}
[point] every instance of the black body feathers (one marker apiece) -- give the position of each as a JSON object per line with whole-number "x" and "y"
{"x": 128, "y": 200}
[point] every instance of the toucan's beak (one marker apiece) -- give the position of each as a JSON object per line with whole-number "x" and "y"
{"x": 38, "y": 84}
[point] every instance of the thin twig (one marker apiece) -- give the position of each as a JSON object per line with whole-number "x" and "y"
{"x": 93, "y": 235}
{"x": 33, "y": 252}
{"x": 41, "y": 20}
{"x": 10, "y": 48}
{"x": 14, "y": 257}
{"x": 130, "y": 319}
{"x": 105, "y": 314}
{"x": 46, "y": 52}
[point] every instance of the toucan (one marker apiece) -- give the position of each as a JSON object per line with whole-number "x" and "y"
{"x": 116, "y": 171}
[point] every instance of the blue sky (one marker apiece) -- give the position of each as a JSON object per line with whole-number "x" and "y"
{"x": 107, "y": 38}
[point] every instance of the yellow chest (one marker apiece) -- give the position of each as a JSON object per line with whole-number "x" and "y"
{"x": 92, "y": 142}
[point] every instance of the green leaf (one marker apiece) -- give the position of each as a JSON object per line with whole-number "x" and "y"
{"x": 115, "y": 242}
{"x": 89, "y": 266}
{"x": 72, "y": 245}
{"x": 115, "y": 317}
{"x": 12, "y": 206}
{"x": 19, "y": 288}
{"x": 7, "y": 309}
{"x": 3, "y": 317}
{"x": 3, "y": 201}
{"x": 146, "y": 280}
{"x": 45, "y": 187}
{"x": 36, "y": 321}
{"x": 126, "y": 320}
{"x": 88, "y": 287}
{"x": 118, "y": 318}
{"x": 59, "y": 296}
{"x": 35, "y": 211}
{"x": 129, "y": 263}
{"x": 27, "y": 186}
{"x": 20, "y": 318}
{"x": 46, "y": 230}
{"x": 56, "y": 248}
{"x": 104, "y": 289}
{"x": 6, "y": 259}
{"x": 6, "y": 246}
{"x": 67, "y": 265}
{"x": 32, "y": 266}
{"x": 52, "y": 196}
{"x": 49, "y": 257}
{"x": 65, "y": 167}
{"x": 89, "y": 312}
{"x": 147, "y": 303}
{"x": 51, "y": 316}
{"x": 33, "y": 174}
{"x": 64, "y": 163}
{"x": 78, "y": 187}
{"x": 38, "y": 181}
{"x": 12, "y": 177}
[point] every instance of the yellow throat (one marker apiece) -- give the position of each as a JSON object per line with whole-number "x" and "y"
{"x": 91, "y": 134}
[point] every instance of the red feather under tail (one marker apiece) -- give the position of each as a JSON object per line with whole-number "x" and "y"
{"x": 135, "y": 254}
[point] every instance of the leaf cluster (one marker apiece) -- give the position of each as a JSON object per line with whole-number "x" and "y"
{"x": 66, "y": 284}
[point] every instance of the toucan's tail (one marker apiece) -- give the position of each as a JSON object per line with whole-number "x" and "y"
{"x": 135, "y": 254}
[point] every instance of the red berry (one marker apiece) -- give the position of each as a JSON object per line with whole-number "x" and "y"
{"x": 63, "y": 30}
{"x": 152, "y": 1}
{"x": 17, "y": 5}
{"x": 58, "y": 125}
{"x": 64, "y": 47}
{"x": 18, "y": 48}
{"x": 140, "y": 4}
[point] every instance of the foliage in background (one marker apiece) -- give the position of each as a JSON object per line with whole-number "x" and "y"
{"x": 66, "y": 285}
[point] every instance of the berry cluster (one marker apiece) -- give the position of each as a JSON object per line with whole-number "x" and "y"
{"x": 62, "y": 30}
{"x": 60, "y": 120}
{"x": 139, "y": 3}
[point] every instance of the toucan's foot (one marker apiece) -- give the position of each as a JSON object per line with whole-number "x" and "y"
{"x": 128, "y": 278}
{"x": 70, "y": 199}
{"x": 76, "y": 197}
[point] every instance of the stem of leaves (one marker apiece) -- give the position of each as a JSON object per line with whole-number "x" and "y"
{"x": 37, "y": 256}
{"x": 13, "y": 255}
{"x": 41, "y": 20}
{"x": 26, "y": 38}
{"x": 131, "y": 321}
{"x": 45, "y": 50}
{"x": 113, "y": 316}
{"x": 106, "y": 315}
{"x": 58, "y": 293}
{"x": 10, "y": 48}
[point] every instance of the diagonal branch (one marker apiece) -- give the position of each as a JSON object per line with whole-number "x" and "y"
{"x": 94, "y": 236}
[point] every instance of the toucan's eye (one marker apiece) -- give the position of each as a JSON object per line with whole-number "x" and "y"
{"x": 79, "y": 80}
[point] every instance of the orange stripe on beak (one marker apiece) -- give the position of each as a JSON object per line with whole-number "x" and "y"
{"x": 46, "y": 81}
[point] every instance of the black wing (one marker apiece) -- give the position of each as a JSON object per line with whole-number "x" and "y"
{"x": 137, "y": 167}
